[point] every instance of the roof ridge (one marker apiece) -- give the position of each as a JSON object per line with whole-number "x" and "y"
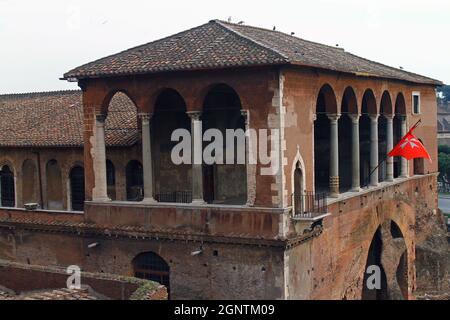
{"x": 37, "y": 93}
{"x": 135, "y": 48}
{"x": 280, "y": 32}
{"x": 224, "y": 25}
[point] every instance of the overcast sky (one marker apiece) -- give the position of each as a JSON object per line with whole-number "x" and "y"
{"x": 40, "y": 40}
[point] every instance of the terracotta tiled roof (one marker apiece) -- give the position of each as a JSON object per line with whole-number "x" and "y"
{"x": 219, "y": 44}
{"x": 55, "y": 119}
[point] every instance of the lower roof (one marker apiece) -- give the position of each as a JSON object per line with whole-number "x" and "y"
{"x": 55, "y": 119}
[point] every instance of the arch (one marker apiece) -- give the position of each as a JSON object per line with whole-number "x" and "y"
{"x": 221, "y": 96}
{"x": 111, "y": 179}
{"x": 298, "y": 189}
{"x": 112, "y": 94}
{"x": 7, "y": 187}
{"x": 171, "y": 180}
{"x": 121, "y": 123}
{"x": 134, "y": 181}
{"x": 224, "y": 182}
{"x": 369, "y": 103}
{"x": 349, "y": 106}
{"x": 54, "y": 186}
{"x": 374, "y": 259}
{"x": 349, "y": 103}
{"x": 399, "y": 116}
{"x": 326, "y": 100}
{"x": 77, "y": 190}
{"x": 419, "y": 164}
{"x": 400, "y": 104}
{"x": 29, "y": 182}
{"x": 150, "y": 266}
{"x": 386, "y": 104}
{"x": 388, "y": 251}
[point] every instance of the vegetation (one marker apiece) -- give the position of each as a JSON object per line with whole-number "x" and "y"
{"x": 444, "y": 167}
{"x": 444, "y": 94}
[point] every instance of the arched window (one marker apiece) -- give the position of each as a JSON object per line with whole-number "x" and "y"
{"x": 152, "y": 267}
{"x": 8, "y": 196}
{"x": 298, "y": 190}
{"x": 29, "y": 183}
{"x": 77, "y": 188}
{"x": 54, "y": 186}
{"x": 111, "y": 179}
{"x": 135, "y": 181}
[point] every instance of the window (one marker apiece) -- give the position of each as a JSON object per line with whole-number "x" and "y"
{"x": 416, "y": 102}
{"x": 152, "y": 267}
{"x": 77, "y": 188}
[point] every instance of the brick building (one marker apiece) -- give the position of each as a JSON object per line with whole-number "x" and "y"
{"x": 308, "y": 231}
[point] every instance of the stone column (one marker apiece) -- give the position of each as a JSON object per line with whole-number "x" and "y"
{"x": 250, "y": 161}
{"x": 403, "y": 161}
{"x": 147, "y": 164}
{"x": 334, "y": 155}
{"x": 374, "y": 149}
{"x": 356, "y": 181}
{"x": 197, "y": 157}
{"x": 100, "y": 191}
{"x": 390, "y": 146}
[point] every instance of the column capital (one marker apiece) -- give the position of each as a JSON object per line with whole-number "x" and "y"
{"x": 100, "y": 118}
{"x": 334, "y": 116}
{"x": 374, "y": 117}
{"x": 389, "y": 116}
{"x": 194, "y": 115}
{"x": 245, "y": 114}
{"x": 145, "y": 116}
{"x": 355, "y": 117}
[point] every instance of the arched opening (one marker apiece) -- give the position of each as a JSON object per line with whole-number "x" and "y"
{"x": 419, "y": 164}
{"x": 7, "y": 188}
{"x": 369, "y": 108}
{"x": 385, "y": 111}
{"x": 299, "y": 190}
{"x": 388, "y": 252}
{"x": 374, "y": 259}
{"x": 134, "y": 181}
{"x": 348, "y": 108}
{"x": 172, "y": 182}
{"x": 121, "y": 124}
{"x": 326, "y": 105}
{"x": 111, "y": 179}
{"x": 77, "y": 188}
{"x": 54, "y": 186}
{"x": 30, "y": 193}
{"x": 399, "y": 116}
{"x": 151, "y": 266}
{"x": 402, "y": 275}
{"x": 225, "y": 182}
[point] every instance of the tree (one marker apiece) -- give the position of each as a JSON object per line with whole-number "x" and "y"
{"x": 444, "y": 164}
{"x": 444, "y": 94}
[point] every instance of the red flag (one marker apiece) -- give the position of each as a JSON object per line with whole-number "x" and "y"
{"x": 410, "y": 148}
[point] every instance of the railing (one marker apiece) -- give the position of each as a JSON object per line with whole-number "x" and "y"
{"x": 309, "y": 204}
{"x": 174, "y": 197}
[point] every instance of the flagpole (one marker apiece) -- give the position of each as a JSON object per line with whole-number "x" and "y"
{"x": 385, "y": 159}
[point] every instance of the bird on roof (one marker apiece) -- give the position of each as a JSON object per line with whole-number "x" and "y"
{"x": 274, "y": 28}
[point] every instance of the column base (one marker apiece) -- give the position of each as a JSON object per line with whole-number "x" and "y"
{"x": 389, "y": 179}
{"x": 102, "y": 199}
{"x": 333, "y": 195}
{"x": 198, "y": 202}
{"x": 149, "y": 201}
{"x": 356, "y": 189}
